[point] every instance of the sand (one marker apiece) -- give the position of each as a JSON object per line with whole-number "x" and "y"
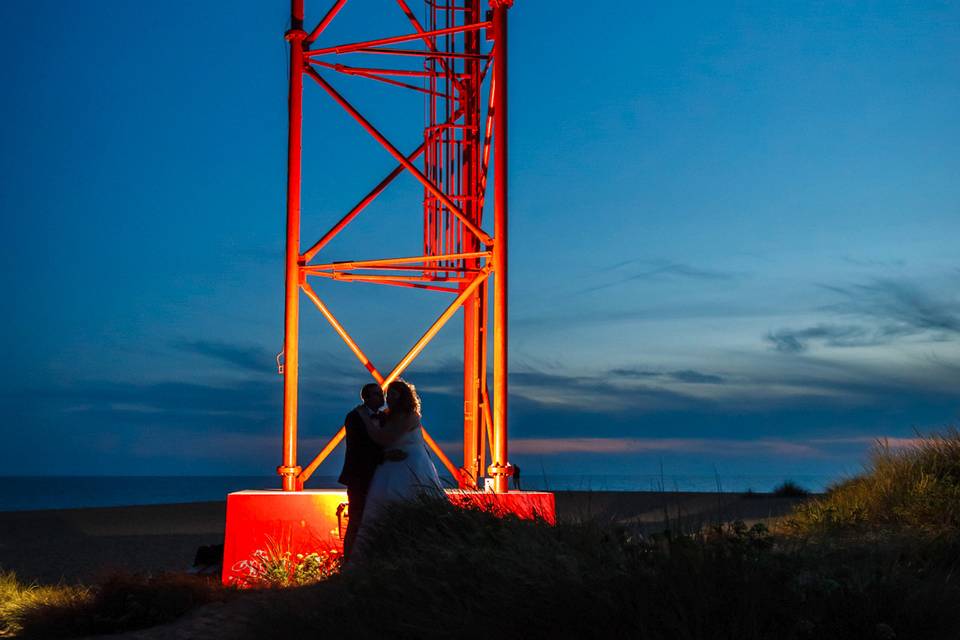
{"x": 82, "y": 545}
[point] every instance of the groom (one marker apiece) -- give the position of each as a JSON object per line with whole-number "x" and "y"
{"x": 361, "y": 460}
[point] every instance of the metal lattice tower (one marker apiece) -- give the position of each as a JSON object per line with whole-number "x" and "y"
{"x": 447, "y": 56}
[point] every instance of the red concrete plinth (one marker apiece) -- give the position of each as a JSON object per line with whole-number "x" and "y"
{"x": 523, "y": 504}
{"x": 277, "y": 522}
{"x": 302, "y": 522}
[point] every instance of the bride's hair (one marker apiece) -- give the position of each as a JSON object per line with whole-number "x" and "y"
{"x": 409, "y": 401}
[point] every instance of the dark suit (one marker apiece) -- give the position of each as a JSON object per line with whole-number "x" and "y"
{"x": 362, "y": 457}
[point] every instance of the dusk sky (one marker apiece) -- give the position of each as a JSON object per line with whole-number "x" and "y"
{"x": 733, "y": 235}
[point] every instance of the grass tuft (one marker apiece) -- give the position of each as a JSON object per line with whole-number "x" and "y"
{"x": 912, "y": 488}
{"x": 18, "y": 601}
{"x": 121, "y": 603}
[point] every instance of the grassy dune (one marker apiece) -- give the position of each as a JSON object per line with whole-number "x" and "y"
{"x": 875, "y": 557}
{"x": 914, "y": 489}
{"x": 440, "y": 573}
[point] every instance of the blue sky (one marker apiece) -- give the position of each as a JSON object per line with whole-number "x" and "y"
{"x": 733, "y": 235}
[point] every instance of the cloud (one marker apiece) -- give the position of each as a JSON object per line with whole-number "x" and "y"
{"x": 695, "y": 377}
{"x": 906, "y": 304}
{"x": 890, "y": 441}
{"x": 688, "y": 376}
{"x": 655, "y": 269}
{"x": 872, "y": 262}
{"x": 609, "y": 394}
{"x": 798, "y": 340}
{"x": 615, "y": 446}
{"x": 897, "y": 307}
{"x": 550, "y": 414}
{"x": 250, "y": 358}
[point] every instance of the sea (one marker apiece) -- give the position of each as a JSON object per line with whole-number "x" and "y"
{"x": 22, "y": 493}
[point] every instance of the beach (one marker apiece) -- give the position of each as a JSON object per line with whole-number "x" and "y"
{"x": 85, "y": 545}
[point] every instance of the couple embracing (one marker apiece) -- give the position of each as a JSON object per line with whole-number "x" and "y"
{"x": 386, "y": 459}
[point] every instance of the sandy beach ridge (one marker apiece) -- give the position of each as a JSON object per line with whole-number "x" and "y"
{"x": 84, "y": 545}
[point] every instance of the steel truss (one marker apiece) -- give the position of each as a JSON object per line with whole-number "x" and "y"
{"x": 461, "y": 43}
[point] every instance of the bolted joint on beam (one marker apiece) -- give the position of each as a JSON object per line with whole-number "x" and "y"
{"x": 291, "y": 481}
{"x": 500, "y": 470}
{"x": 289, "y": 471}
{"x": 501, "y": 4}
{"x": 295, "y": 34}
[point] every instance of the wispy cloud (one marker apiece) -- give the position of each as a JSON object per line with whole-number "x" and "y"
{"x": 872, "y": 262}
{"x": 888, "y": 310}
{"x": 890, "y": 441}
{"x": 628, "y": 271}
{"x": 247, "y": 357}
{"x": 798, "y": 340}
{"x": 688, "y": 376}
{"x": 902, "y": 302}
{"x": 616, "y": 446}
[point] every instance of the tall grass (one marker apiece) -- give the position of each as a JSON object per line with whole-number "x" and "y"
{"x": 121, "y": 603}
{"x": 913, "y": 488}
{"x": 19, "y": 600}
{"x": 434, "y": 571}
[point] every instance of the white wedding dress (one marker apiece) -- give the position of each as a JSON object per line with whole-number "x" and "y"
{"x": 406, "y": 479}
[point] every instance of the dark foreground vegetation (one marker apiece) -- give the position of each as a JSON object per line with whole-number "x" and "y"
{"x": 876, "y": 557}
{"x": 120, "y": 603}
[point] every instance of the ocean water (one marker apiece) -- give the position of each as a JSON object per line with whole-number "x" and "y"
{"x": 19, "y": 493}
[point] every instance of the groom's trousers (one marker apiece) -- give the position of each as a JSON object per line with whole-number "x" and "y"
{"x": 357, "y": 499}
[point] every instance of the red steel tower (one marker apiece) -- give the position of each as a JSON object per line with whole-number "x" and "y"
{"x": 457, "y": 58}
{"x": 455, "y": 54}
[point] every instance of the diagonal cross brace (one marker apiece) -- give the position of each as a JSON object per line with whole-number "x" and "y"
{"x": 309, "y": 254}
{"x": 397, "y": 370}
{"x": 399, "y": 157}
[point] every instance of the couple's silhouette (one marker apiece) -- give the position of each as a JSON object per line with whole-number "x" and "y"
{"x": 386, "y": 458}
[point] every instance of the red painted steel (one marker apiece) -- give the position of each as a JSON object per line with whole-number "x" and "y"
{"x": 289, "y": 470}
{"x": 464, "y": 134}
{"x": 500, "y": 469}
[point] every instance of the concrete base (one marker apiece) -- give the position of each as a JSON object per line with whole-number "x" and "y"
{"x": 308, "y": 521}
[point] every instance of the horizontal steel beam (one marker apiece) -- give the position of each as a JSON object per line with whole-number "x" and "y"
{"x": 349, "y": 48}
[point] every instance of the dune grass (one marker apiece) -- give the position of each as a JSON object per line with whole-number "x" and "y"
{"x": 18, "y": 600}
{"x": 877, "y": 557}
{"x": 121, "y": 603}
{"x": 911, "y": 489}
{"x": 436, "y": 572}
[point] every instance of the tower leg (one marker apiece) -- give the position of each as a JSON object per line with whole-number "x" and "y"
{"x": 474, "y": 337}
{"x": 472, "y": 418}
{"x": 500, "y": 469}
{"x": 288, "y": 470}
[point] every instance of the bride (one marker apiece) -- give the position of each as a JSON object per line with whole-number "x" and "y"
{"x": 399, "y": 429}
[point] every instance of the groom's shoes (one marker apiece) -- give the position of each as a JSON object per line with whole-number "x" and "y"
{"x": 394, "y": 455}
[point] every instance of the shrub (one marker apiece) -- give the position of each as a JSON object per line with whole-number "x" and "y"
{"x": 790, "y": 489}
{"x": 275, "y": 566}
